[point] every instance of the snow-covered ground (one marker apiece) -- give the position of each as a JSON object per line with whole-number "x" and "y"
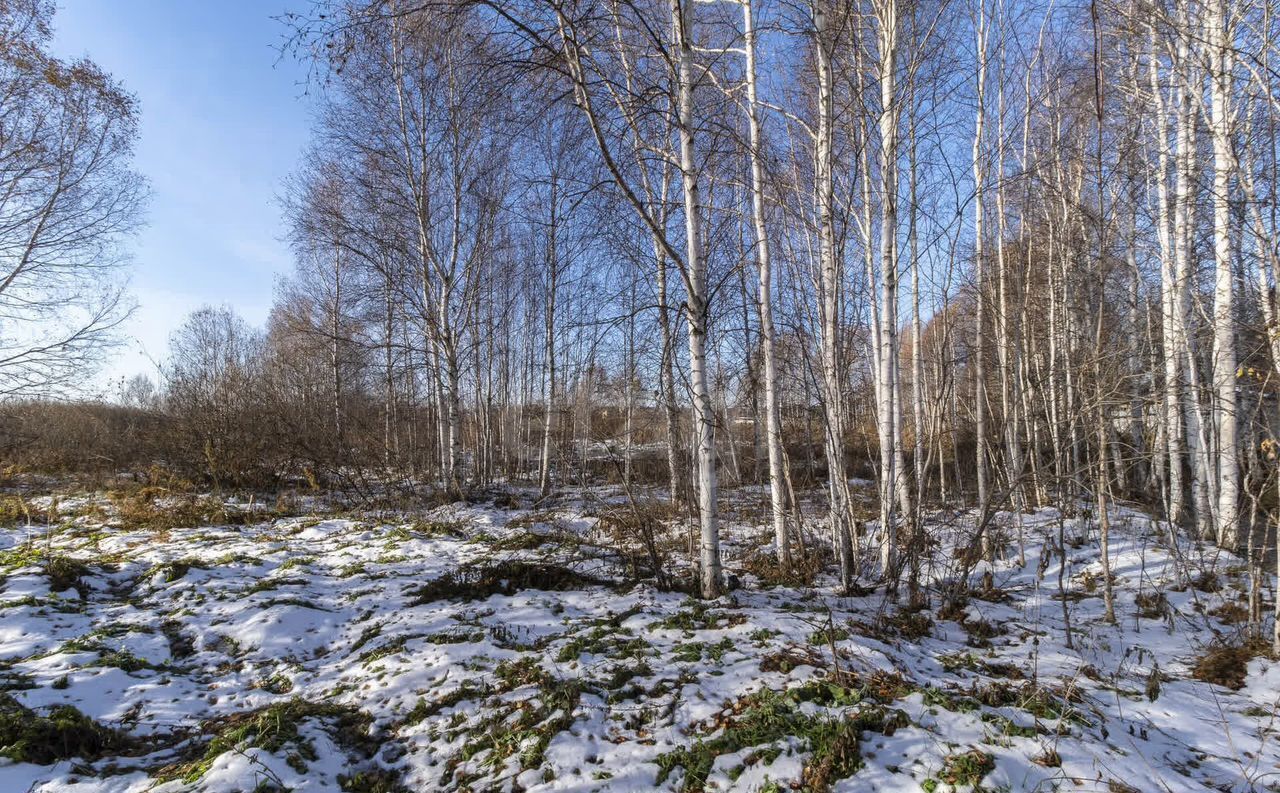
{"x": 483, "y": 648}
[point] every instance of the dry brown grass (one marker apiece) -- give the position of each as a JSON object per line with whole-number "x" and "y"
{"x": 1226, "y": 664}
{"x": 803, "y": 572}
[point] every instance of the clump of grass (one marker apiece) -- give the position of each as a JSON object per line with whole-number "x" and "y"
{"x": 506, "y": 500}
{"x": 181, "y": 644}
{"x": 698, "y": 615}
{"x": 1007, "y": 727}
{"x": 604, "y": 640}
{"x": 967, "y": 769}
{"x": 882, "y": 687}
{"x": 13, "y": 511}
{"x": 526, "y": 727}
{"x": 764, "y": 720}
{"x": 383, "y": 650}
{"x": 789, "y": 658}
{"x": 11, "y": 680}
{"x": 269, "y": 584}
{"x": 162, "y": 508}
{"x": 1207, "y": 581}
{"x": 122, "y": 659}
{"x": 424, "y": 710}
{"x": 524, "y": 671}
{"x": 367, "y": 635}
{"x": 455, "y": 636}
{"x": 22, "y": 602}
{"x": 275, "y": 728}
{"x": 64, "y": 733}
{"x": 66, "y": 573}
{"x": 63, "y": 572}
{"x": 803, "y": 572}
{"x": 954, "y": 662}
{"x": 476, "y": 582}
{"x": 378, "y": 780}
{"x": 279, "y": 683}
{"x": 954, "y": 609}
{"x": 1041, "y": 701}
{"x": 1231, "y": 613}
{"x": 176, "y": 569}
{"x": 621, "y": 676}
{"x": 1227, "y": 664}
{"x": 1151, "y": 605}
{"x": 636, "y": 532}
{"x": 825, "y": 636}
{"x": 522, "y": 541}
{"x": 429, "y": 528}
{"x": 910, "y": 625}
{"x": 531, "y": 519}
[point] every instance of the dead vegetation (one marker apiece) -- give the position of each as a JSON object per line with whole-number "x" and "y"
{"x": 1226, "y": 664}
{"x": 480, "y": 581}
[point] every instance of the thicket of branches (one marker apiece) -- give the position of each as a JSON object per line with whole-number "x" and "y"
{"x": 67, "y": 199}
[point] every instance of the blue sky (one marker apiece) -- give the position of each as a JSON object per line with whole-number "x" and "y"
{"x": 223, "y": 121}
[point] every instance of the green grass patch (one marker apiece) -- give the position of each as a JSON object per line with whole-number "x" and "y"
{"x": 275, "y": 729}
{"x": 61, "y": 734}
{"x": 764, "y": 720}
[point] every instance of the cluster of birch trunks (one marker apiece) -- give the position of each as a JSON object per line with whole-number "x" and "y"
{"x": 993, "y": 254}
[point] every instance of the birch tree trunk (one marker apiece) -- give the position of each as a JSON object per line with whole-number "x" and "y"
{"x": 980, "y": 375}
{"x": 697, "y": 308}
{"x": 1184, "y": 225}
{"x": 764, "y": 301}
{"x": 917, "y": 332}
{"x": 1170, "y": 300}
{"x": 1224, "y": 346}
{"x": 830, "y": 278}
{"x": 892, "y": 490}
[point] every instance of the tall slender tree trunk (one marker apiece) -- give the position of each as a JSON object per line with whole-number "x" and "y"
{"x": 1184, "y": 225}
{"x": 917, "y": 335}
{"x": 1224, "y": 345}
{"x": 668, "y": 380}
{"x": 893, "y": 491}
{"x": 697, "y": 304}
{"x": 979, "y": 367}
{"x": 764, "y": 302}
{"x": 335, "y": 361}
{"x": 830, "y": 279}
{"x": 549, "y": 329}
{"x": 1171, "y": 301}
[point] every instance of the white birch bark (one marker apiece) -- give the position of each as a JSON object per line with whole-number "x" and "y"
{"x": 830, "y": 279}
{"x": 696, "y": 308}
{"x": 888, "y": 392}
{"x": 1184, "y": 224}
{"x": 1170, "y": 298}
{"x": 979, "y": 341}
{"x": 1224, "y": 347}
{"x": 764, "y": 300}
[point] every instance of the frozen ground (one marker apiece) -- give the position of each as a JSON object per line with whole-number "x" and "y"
{"x": 482, "y": 648}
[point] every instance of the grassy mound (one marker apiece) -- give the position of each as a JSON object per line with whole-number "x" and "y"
{"x": 28, "y": 737}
